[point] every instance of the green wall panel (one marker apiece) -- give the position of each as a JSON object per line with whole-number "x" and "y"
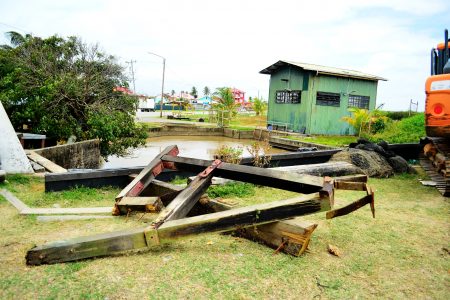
{"x": 316, "y": 119}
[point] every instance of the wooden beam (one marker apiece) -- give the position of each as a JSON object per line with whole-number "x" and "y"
{"x": 86, "y": 247}
{"x": 144, "y": 178}
{"x": 118, "y": 177}
{"x": 290, "y": 236}
{"x": 268, "y": 177}
{"x": 142, "y": 204}
{"x": 132, "y": 239}
{"x": 186, "y": 199}
{"x": 238, "y": 218}
{"x": 47, "y": 164}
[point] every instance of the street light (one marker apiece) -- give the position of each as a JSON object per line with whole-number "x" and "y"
{"x": 162, "y": 87}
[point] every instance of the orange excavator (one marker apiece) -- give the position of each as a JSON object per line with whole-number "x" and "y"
{"x": 436, "y": 159}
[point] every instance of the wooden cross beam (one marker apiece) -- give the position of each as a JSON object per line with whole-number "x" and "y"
{"x": 305, "y": 184}
{"x": 119, "y": 241}
{"x": 146, "y": 176}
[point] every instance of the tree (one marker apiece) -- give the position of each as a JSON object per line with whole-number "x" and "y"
{"x": 63, "y": 87}
{"x": 194, "y": 92}
{"x": 259, "y": 105}
{"x": 365, "y": 122}
{"x": 206, "y": 91}
{"x": 172, "y": 93}
{"x": 225, "y": 99}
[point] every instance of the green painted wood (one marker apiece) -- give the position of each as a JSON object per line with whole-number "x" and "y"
{"x": 315, "y": 118}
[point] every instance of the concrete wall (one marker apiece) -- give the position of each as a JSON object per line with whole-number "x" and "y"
{"x": 183, "y": 130}
{"x": 80, "y": 155}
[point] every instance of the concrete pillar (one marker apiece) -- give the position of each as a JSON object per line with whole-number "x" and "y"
{"x": 12, "y": 156}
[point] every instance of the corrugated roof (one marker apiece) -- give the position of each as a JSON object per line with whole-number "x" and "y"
{"x": 322, "y": 70}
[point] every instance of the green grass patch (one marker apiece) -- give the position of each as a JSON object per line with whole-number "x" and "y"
{"x": 401, "y": 254}
{"x": 329, "y": 140}
{"x": 232, "y": 189}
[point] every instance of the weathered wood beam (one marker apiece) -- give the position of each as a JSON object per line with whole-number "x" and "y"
{"x": 268, "y": 177}
{"x": 119, "y": 241}
{"x": 290, "y": 236}
{"x": 86, "y": 247}
{"x": 142, "y": 204}
{"x": 186, "y": 199}
{"x": 239, "y": 218}
{"x": 144, "y": 178}
{"x": 46, "y": 163}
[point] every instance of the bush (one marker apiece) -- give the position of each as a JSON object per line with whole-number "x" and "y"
{"x": 409, "y": 129}
{"x": 399, "y": 115}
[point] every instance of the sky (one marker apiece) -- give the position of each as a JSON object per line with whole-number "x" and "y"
{"x": 226, "y": 43}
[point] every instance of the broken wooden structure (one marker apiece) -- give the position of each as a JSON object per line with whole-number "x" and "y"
{"x": 172, "y": 221}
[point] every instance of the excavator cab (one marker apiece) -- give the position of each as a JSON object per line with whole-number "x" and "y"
{"x": 437, "y": 89}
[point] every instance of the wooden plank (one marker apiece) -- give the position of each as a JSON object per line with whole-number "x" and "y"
{"x": 186, "y": 199}
{"x": 268, "y": 177}
{"x": 290, "y": 236}
{"x": 238, "y": 218}
{"x": 351, "y": 186}
{"x": 86, "y": 247}
{"x": 369, "y": 199}
{"x": 47, "y": 164}
{"x": 144, "y": 178}
{"x": 89, "y": 178}
{"x": 352, "y": 178}
{"x": 142, "y": 204}
{"x": 60, "y": 218}
{"x": 19, "y": 205}
{"x": 132, "y": 239}
{"x": 66, "y": 211}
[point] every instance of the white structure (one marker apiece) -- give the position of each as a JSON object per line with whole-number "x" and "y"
{"x": 12, "y": 156}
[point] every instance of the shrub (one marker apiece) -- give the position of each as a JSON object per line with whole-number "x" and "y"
{"x": 409, "y": 129}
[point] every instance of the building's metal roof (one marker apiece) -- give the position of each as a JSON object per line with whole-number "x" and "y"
{"x": 322, "y": 70}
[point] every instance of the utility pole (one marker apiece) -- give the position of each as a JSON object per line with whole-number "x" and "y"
{"x": 162, "y": 87}
{"x": 132, "y": 74}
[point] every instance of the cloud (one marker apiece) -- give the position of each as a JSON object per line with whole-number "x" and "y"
{"x": 227, "y": 43}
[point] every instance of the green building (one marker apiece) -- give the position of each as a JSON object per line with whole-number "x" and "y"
{"x": 312, "y": 99}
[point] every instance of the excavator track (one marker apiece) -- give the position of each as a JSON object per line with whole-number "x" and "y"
{"x": 430, "y": 164}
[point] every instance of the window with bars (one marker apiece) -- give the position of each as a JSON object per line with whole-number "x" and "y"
{"x": 328, "y": 99}
{"x": 358, "y": 101}
{"x": 293, "y": 97}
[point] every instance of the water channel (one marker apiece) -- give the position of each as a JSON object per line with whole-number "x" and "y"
{"x": 202, "y": 147}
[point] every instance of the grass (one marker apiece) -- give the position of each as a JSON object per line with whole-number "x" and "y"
{"x": 400, "y": 254}
{"x": 330, "y": 140}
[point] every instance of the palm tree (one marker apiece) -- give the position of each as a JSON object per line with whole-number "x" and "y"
{"x": 194, "y": 92}
{"x": 16, "y": 39}
{"x": 206, "y": 91}
{"x": 258, "y": 105}
{"x": 225, "y": 99}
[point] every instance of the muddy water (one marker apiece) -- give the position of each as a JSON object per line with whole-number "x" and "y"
{"x": 202, "y": 147}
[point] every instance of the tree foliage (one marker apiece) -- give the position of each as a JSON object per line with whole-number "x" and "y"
{"x": 259, "y": 105}
{"x": 364, "y": 121}
{"x": 194, "y": 92}
{"x": 206, "y": 91}
{"x": 63, "y": 87}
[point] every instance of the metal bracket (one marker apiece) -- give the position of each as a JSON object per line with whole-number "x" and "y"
{"x": 211, "y": 168}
